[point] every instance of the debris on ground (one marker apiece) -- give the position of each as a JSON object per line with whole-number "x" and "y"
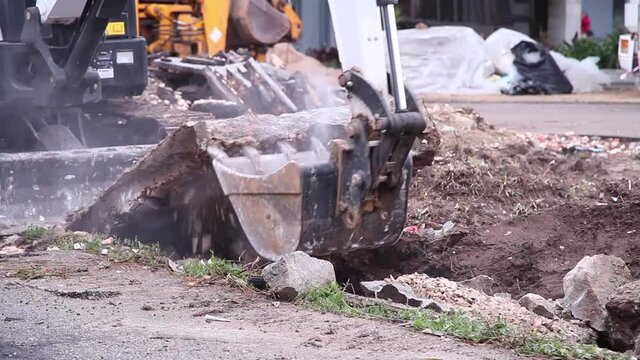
{"x": 11, "y": 250}
{"x": 590, "y": 285}
{"x": 400, "y": 293}
{"x": 538, "y": 305}
{"x": 512, "y": 201}
{"x": 480, "y": 305}
{"x": 572, "y": 144}
{"x": 296, "y": 273}
{"x": 211, "y": 318}
{"x": 457, "y": 60}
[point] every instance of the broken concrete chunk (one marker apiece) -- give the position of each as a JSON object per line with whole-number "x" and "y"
{"x": 482, "y": 283}
{"x": 402, "y": 294}
{"x": 297, "y": 273}
{"x": 589, "y": 286}
{"x": 11, "y": 250}
{"x": 623, "y": 320}
{"x": 538, "y": 305}
{"x": 397, "y": 292}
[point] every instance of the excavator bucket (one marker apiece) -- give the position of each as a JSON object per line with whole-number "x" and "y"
{"x": 235, "y": 85}
{"x": 324, "y": 181}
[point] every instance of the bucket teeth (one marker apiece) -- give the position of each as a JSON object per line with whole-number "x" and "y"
{"x": 216, "y": 153}
{"x": 319, "y": 148}
{"x": 287, "y": 150}
{"x": 254, "y": 156}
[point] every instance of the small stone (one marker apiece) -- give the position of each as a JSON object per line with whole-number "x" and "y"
{"x": 81, "y": 233}
{"x": 502, "y": 295}
{"x": 104, "y": 265}
{"x": 53, "y": 248}
{"x": 297, "y": 273}
{"x": 78, "y": 246}
{"x": 107, "y": 241}
{"x": 482, "y": 283}
{"x": 104, "y": 251}
{"x": 538, "y": 305}
{"x": 12, "y": 240}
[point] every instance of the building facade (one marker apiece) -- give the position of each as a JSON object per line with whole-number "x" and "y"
{"x": 551, "y": 21}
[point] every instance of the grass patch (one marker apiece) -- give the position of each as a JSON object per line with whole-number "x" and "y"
{"x": 135, "y": 251}
{"x": 35, "y": 232}
{"x": 215, "y": 267}
{"x": 90, "y": 242}
{"x": 331, "y": 298}
{"x": 121, "y": 250}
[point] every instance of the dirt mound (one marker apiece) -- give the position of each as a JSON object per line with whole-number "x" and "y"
{"x": 522, "y": 214}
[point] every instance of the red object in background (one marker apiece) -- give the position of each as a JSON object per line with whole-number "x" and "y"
{"x": 586, "y": 24}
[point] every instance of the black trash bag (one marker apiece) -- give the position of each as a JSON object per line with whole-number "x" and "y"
{"x": 539, "y": 73}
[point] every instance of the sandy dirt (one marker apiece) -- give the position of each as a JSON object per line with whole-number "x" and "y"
{"x": 92, "y": 309}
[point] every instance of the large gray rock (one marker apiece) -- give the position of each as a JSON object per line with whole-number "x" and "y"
{"x": 297, "y": 273}
{"x": 588, "y": 287}
{"x": 623, "y": 322}
{"x": 482, "y": 283}
{"x": 538, "y": 305}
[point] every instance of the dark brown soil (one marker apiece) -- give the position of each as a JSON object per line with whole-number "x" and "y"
{"x": 523, "y": 215}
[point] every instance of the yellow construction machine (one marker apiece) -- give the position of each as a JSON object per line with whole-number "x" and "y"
{"x": 207, "y": 27}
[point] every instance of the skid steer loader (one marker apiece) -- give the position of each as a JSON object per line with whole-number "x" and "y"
{"x": 316, "y": 181}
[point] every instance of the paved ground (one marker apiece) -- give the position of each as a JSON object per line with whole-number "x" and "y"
{"x": 611, "y": 113}
{"x": 128, "y": 312}
{"x": 585, "y": 119}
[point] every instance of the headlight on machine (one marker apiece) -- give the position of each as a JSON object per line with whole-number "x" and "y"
{"x": 124, "y": 57}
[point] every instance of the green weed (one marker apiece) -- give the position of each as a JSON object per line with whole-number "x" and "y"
{"x": 331, "y": 298}
{"x": 35, "y": 232}
{"x": 215, "y": 267}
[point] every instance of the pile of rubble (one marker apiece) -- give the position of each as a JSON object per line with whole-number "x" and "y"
{"x": 601, "y": 300}
{"x": 466, "y": 298}
{"x": 570, "y": 143}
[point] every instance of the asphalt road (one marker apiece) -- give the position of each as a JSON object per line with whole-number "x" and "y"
{"x": 617, "y": 120}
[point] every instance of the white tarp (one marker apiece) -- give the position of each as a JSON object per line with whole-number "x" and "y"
{"x": 456, "y": 60}
{"x": 446, "y": 59}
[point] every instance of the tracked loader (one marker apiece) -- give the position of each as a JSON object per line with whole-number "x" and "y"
{"x": 326, "y": 181}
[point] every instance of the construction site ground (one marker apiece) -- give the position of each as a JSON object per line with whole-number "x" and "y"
{"x": 526, "y": 207}
{"x": 87, "y": 311}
